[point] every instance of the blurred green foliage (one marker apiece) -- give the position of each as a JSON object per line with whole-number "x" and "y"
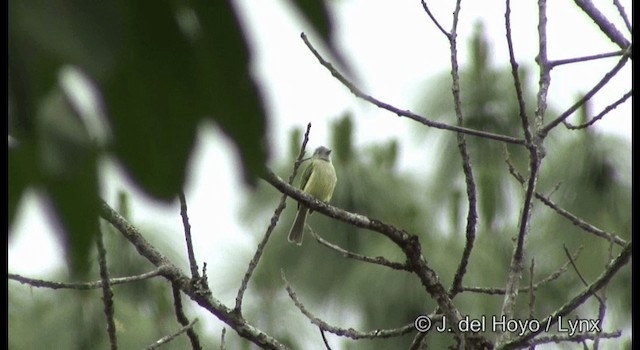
{"x": 41, "y": 318}
{"x": 160, "y": 67}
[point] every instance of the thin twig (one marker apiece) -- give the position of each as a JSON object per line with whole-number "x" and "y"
{"x": 565, "y": 213}
{"x": 577, "y": 338}
{"x": 545, "y": 69}
{"x": 501, "y": 291}
{"x": 517, "y": 260}
{"x": 107, "y": 292}
{"x": 579, "y": 222}
{"x": 575, "y": 268}
{"x": 170, "y": 337}
{"x": 83, "y": 285}
{"x": 379, "y": 260}
{"x": 198, "y": 293}
{"x": 436, "y": 320}
{"x": 623, "y": 60}
{"x": 222, "y": 344}
{"x": 187, "y": 235}
{"x": 573, "y": 264}
{"x": 272, "y": 224}
{"x": 608, "y": 28}
{"x": 555, "y": 63}
{"x": 604, "y": 278}
{"x": 417, "y": 342}
{"x": 435, "y": 21}
{"x": 536, "y": 153}
{"x": 472, "y": 214}
{"x": 405, "y": 113}
{"x": 516, "y": 76}
{"x": 182, "y": 318}
{"x": 532, "y": 295}
{"x": 601, "y": 114}
{"x": 343, "y": 332}
{"x": 602, "y": 309}
{"x": 324, "y": 339}
{"x": 623, "y": 14}
{"x": 512, "y": 169}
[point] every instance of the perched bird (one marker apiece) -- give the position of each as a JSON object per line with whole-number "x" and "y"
{"x": 318, "y": 180}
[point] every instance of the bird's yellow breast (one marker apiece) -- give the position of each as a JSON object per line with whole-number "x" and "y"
{"x": 322, "y": 180}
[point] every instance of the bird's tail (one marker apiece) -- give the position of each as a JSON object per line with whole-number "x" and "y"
{"x": 295, "y": 235}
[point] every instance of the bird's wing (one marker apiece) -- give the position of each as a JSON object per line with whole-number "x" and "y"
{"x": 305, "y": 177}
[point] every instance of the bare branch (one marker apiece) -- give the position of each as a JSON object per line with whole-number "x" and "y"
{"x": 516, "y": 76}
{"x": 517, "y": 260}
{"x": 187, "y": 235}
{"x": 83, "y": 285}
{"x": 349, "y": 333}
{"x": 512, "y": 169}
{"x": 566, "y": 214}
{"x": 501, "y": 291}
{"x": 579, "y": 222}
{"x": 324, "y": 339}
{"x": 536, "y": 153}
{"x": 543, "y": 63}
{"x": 532, "y": 295}
{"x": 604, "y": 278}
{"x": 435, "y": 21}
{"x": 107, "y": 292}
{"x": 608, "y": 28}
{"x": 472, "y": 214}
{"x": 573, "y": 264}
{"x": 404, "y": 113}
{"x": 170, "y": 337}
{"x": 602, "y": 309}
{"x": 182, "y": 318}
{"x": 575, "y": 268}
{"x": 272, "y": 224}
{"x": 409, "y": 244}
{"x": 197, "y": 292}
{"x": 417, "y": 342}
{"x": 623, "y": 60}
{"x": 601, "y": 114}
{"x": 623, "y": 14}
{"x": 577, "y": 338}
{"x": 379, "y": 260}
{"x": 555, "y": 63}
{"x": 224, "y": 331}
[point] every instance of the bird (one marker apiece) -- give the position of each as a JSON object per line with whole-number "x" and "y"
{"x": 318, "y": 180}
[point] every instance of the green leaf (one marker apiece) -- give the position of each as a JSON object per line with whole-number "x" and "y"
{"x": 71, "y": 31}
{"x": 178, "y": 65}
{"x": 76, "y": 205}
{"x": 68, "y": 168}
{"x": 152, "y": 98}
{"x": 317, "y": 13}
{"x": 234, "y": 100}
{"x": 20, "y": 171}
{"x": 161, "y": 69}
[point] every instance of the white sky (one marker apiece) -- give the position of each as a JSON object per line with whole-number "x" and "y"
{"x": 394, "y": 48}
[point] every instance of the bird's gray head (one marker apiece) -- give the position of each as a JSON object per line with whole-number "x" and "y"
{"x": 322, "y": 153}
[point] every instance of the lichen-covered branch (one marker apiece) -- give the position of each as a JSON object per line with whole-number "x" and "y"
{"x": 272, "y": 225}
{"x": 621, "y": 260}
{"x": 196, "y": 292}
{"x": 409, "y": 244}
